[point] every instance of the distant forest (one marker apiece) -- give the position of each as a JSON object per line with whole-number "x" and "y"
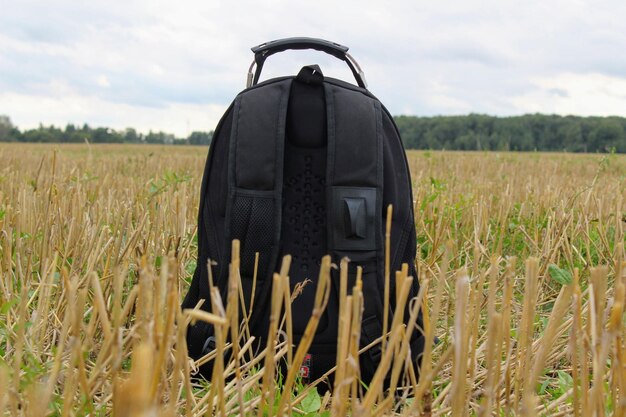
{"x": 529, "y": 132}
{"x": 471, "y": 132}
{"x": 79, "y": 134}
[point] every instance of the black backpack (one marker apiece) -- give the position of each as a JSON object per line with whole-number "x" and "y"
{"x": 306, "y": 166}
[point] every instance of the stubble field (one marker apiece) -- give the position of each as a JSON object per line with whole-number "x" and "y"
{"x": 520, "y": 257}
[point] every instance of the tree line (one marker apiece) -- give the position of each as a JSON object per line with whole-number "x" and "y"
{"x": 517, "y": 133}
{"x": 80, "y": 134}
{"x": 470, "y": 132}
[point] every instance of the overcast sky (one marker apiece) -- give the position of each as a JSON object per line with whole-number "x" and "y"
{"x": 175, "y": 66}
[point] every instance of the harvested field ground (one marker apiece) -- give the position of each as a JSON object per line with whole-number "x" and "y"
{"x": 520, "y": 257}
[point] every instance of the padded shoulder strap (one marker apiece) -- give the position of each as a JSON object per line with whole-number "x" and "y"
{"x": 253, "y": 211}
{"x": 355, "y": 181}
{"x": 355, "y": 172}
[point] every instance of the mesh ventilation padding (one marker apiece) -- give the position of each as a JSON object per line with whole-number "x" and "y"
{"x": 304, "y": 222}
{"x": 252, "y": 223}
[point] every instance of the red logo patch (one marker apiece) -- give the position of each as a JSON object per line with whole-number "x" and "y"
{"x": 305, "y": 369}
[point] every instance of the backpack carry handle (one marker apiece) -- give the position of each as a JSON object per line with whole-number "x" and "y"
{"x": 280, "y": 45}
{"x": 267, "y": 49}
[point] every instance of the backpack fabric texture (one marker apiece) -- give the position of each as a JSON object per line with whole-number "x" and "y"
{"x": 305, "y": 166}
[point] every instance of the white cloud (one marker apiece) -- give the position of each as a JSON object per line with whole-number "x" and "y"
{"x": 179, "y": 118}
{"x": 570, "y": 93}
{"x": 135, "y": 63}
{"x": 103, "y": 81}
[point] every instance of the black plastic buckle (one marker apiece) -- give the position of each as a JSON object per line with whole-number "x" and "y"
{"x": 209, "y": 346}
{"x": 354, "y": 210}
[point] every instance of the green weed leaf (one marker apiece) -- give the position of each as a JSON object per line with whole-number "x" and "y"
{"x": 561, "y": 276}
{"x": 312, "y": 402}
{"x": 5, "y": 307}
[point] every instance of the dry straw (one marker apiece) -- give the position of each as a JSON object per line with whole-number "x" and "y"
{"x": 97, "y": 246}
